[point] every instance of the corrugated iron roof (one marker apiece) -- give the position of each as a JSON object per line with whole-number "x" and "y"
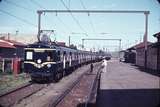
{"x": 15, "y": 43}
{"x": 10, "y": 43}
{"x": 140, "y": 45}
{"x": 4, "y": 44}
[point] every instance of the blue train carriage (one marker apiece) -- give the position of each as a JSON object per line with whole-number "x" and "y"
{"x": 69, "y": 59}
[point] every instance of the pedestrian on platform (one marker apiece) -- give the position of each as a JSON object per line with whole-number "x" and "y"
{"x": 91, "y": 66}
{"x": 104, "y": 65}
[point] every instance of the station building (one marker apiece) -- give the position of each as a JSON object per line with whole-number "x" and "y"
{"x": 136, "y": 54}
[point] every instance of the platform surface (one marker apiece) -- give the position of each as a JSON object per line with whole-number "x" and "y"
{"x": 124, "y": 85}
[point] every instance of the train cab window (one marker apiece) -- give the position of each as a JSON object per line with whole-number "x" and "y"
{"x": 29, "y": 55}
{"x": 50, "y": 56}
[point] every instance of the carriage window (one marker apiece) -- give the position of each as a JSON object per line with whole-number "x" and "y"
{"x": 65, "y": 55}
{"x": 58, "y": 56}
{"x": 70, "y": 55}
{"x": 59, "y": 53}
{"x": 61, "y": 57}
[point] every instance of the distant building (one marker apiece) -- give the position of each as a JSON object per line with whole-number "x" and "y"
{"x": 135, "y": 54}
{"x": 153, "y": 54}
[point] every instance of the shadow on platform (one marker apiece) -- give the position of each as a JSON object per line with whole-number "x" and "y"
{"x": 129, "y": 98}
{"x": 150, "y": 71}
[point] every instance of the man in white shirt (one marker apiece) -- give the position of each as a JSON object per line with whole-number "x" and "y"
{"x": 104, "y": 64}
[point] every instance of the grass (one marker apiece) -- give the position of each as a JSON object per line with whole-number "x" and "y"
{"x": 9, "y": 81}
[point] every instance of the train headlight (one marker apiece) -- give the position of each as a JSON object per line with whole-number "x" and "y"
{"x": 39, "y": 61}
{"x": 48, "y": 65}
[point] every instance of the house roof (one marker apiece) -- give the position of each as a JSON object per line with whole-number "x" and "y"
{"x": 10, "y": 43}
{"x": 15, "y": 43}
{"x": 140, "y": 45}
{"x": 4, "y": 44}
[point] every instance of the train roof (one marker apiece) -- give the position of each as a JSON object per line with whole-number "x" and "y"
{"x": 41, "y": 45}
{"x": 50, "y": 45}
{"x": 58, "y": 47}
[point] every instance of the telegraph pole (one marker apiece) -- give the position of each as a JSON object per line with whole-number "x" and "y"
{"x": 146, "y": 38}
{"x": 39, "y": 25}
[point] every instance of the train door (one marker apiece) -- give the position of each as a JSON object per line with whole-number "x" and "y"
{"x": 64, "y": 59}
{"x": 70, "y": 59}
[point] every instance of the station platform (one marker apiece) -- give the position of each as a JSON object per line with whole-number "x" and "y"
{"x": 124, "y": 85}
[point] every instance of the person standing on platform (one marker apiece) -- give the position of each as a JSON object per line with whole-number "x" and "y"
{"x": 91, "y": 68}
{"x": 104, "y": 65}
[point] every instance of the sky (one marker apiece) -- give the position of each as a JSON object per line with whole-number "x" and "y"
{"x": 21, "y": 15}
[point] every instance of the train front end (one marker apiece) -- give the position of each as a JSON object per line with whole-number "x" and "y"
{"x": 40, "y": 62}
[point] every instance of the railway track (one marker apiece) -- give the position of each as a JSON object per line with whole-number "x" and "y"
{"x": 62, "y": 96}
{"x": 44, "y": 95}
{"x": 84, "y": 89}
{"x": 15, "y": 95}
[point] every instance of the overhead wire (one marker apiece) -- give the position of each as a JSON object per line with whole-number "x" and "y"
{"x": 65, "y": 25}
{"x": 90, "y": 21}
{"x": 77, "y": 22}
{"x": 17, "y": 5}
{"x": 18, "y": 18}
{"x": 61, "y": 21}
{"x": 37, "y": 4}
{"x": 74, "y": 18}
